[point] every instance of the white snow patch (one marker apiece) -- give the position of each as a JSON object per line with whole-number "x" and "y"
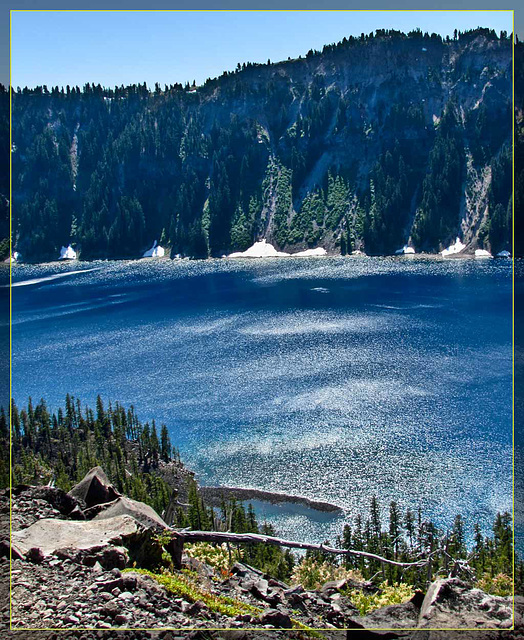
{"x": 504, "y": 254}
{"x": 319, "y": 251}
{"x": 482, "y": 253}
{"x": 357, "y": 253}
{"x": 67, "y": 253}
{"x": 260, "y": 249}
{"x": 156, "y": 251}
{"x": 405, "y": 251}
{"x": 453, "y": 249}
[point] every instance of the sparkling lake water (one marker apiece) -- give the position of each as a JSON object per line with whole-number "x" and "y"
{"x": 330, "y": 378}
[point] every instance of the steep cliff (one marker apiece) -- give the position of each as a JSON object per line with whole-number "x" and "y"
{"x": 368, "y": 144}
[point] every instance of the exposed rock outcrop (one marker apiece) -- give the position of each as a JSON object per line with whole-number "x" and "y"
{"x": 94, "y": 489}
{"x": 453, "y": 604}
{"x": 49, "y": 535}
{"x": 141, "y": 512}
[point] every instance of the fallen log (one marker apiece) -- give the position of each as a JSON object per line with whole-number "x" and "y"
{"x": 182, "y": 536}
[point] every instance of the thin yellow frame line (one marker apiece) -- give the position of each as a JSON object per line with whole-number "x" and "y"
{"x": 10, "y": 322}
{"x": 11, "y": 266}
{"x": 513, "y": 298}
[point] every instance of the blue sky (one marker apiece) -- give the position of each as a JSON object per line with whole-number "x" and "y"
{"x": 60, "y": 48}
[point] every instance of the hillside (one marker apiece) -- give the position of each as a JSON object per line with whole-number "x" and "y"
{"x": 368, "y": 144}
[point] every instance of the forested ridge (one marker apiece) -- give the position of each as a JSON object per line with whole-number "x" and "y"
{"x": 367, "y": 144}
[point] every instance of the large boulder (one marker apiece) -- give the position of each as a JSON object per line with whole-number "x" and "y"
{"x": 94, "y": 489}
{"x": 395, "y": 616}
{"x": 452, "y": 604}
{"x": 51, "y": 536}
{"x": 142, "y": 512}
{"x": 275, "y": 618}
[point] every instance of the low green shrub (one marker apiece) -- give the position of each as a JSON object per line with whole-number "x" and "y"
{"x": 312, "y": 574}
{"x": 219, "y": 557}
{"x": 396, "y": 593}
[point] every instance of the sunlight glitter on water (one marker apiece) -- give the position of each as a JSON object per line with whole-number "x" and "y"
{"x": 330, "y": 378}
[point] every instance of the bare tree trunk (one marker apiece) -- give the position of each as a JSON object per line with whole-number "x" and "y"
{"x": 239, "y": 538}
{"x": 176, "y": 548}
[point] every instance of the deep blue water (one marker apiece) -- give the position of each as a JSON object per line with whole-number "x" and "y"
{"x": 331, "y": 378}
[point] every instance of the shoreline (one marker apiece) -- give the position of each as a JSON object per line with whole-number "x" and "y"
{"x": 215, "y": 495}
{"x": 425, "y": 256}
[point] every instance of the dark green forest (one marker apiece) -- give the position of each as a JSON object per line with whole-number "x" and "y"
{"x": 63, "y": 445}
{"x": 367, "y": 144}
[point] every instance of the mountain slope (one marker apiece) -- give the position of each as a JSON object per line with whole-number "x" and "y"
{"x": 367, "y": 144}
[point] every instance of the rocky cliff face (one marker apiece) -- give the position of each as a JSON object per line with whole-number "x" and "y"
{"x": 69, "y": 571}
{"x": 368, "y": 144}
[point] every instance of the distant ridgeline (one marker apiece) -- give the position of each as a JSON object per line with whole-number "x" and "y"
{"x": 372, "y": 142}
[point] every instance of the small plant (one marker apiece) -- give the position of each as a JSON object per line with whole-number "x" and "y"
{"x": 163, "y": 539}
{"x": 184, "y": 586}
{"x": 396, "y": 593}
{"x": 499, "y": 585}
{"x": 312, "y": 574}
{"x": 219, "y": 557}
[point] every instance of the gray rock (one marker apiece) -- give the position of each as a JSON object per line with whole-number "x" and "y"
{"x": 95, "y": 488}
{"x": 299, "y": 589}
{"x": 50, "y": 535}
{"x": 121, "y": 619}
{"x": 245, "y": 571}
{"x": 71, "y": 619}
{"x": 259, "y": 589}
{"x": 110, "y": 608}
{"x": 452, "y": 604}
{"x": 275, "y": 618}
{"x": 196, "y": 608}
{"x": 398, "y": 616}
{"x": 110, "y": 585}
{"x": 142, "y": 512}
{"x": 103, "y": 556}
{"x": 16, "y": 553}
{"x": 333, "y": 585}
{"x": 35, "y": 555}
{"x": 60, "y": 500}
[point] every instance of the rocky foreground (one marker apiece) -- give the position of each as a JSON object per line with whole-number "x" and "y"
{"x": 76, "y": 560}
